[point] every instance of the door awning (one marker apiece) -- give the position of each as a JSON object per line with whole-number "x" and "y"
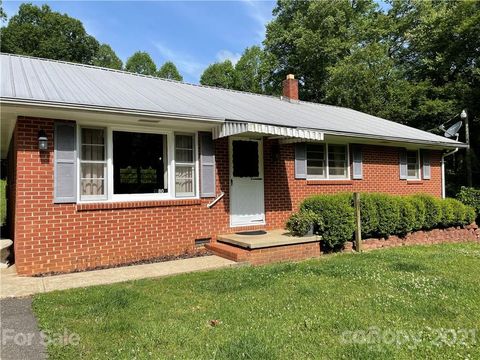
{"x": 230, "y": 128}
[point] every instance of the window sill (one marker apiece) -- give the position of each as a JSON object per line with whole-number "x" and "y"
{"x": 414, "y": 182}
{"x": 329, "y": 182}
{"x": 136, "y": 204}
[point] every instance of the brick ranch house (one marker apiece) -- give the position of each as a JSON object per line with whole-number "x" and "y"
{"x": 107, "y": 167}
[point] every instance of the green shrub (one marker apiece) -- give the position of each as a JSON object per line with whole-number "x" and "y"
{"x": 470, "y": 197}
{"x": 335, "y": 217}
{"x": 407, "y": 218}
{"x": 388, "y": 214}
{"x": 448, "y": 214}
{"x": 470, "y": 214}
{"x": 299, "y": 224}
{"x": 459, "y": 211}
{"x": 433, "y": 210}
{"x": 368, "y": 214}
{"x": 420, "y": 212}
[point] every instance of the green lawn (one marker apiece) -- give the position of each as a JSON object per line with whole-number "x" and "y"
{"x": 314, "y": 309}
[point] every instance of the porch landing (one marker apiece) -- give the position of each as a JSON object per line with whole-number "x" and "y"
{"x": 272, "y": 246}
{"x": 271, "y": 238}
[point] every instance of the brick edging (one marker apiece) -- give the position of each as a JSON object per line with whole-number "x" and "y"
{"x": 436, "y": 236}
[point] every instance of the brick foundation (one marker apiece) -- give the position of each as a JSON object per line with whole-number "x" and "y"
{"x": 435, "y": 236}
{"x": 52, "y": 237}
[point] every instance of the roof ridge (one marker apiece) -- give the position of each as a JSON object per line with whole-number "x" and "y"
{"x": 146, "y": 76}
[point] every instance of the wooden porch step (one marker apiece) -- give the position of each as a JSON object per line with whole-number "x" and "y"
{"x": 228, "y": 251}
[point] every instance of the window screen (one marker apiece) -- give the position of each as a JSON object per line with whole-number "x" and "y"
{"x": 245, "y": 158}
{"x": 413, "y": 165}
{"x": 139, "y": 163}
{"x": 93, "y": 163}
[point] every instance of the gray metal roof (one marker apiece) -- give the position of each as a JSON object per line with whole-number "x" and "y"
{"x": 33, "y": 80}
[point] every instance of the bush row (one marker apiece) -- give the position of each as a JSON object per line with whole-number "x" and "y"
{"x": 471, "y": 197}
{"x": 333, "y": 216}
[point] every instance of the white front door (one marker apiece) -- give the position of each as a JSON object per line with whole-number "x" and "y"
{"x": 246, "y": 182}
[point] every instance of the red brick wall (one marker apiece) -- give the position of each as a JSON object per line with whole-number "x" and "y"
{"x": 66, "y": 237}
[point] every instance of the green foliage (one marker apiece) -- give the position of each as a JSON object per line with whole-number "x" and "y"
{"x": 388, "y": 214}
{"x": 252, "y": 71}
{"x": 106, "y": 57}
{"x": 433, "y": 214}
{"x": 169, "y": 71}
{"x": 39, "y": 31}
{"x": 3, "y": 202}
{"x": 407, "y": 215}
{"x": 3, "y": 15}
{"x": 448, "y": 212}
{"x": 220, "y": 74}
{"x": 368, "y": 214}
{"x": 141, "y": 63}
{"x": 299, "y": 224}
{"x": 470, "y": 197}
{"x": 470, "y": 214}
{"x": 420, "y": 212}
{"x": 335, "y": 214}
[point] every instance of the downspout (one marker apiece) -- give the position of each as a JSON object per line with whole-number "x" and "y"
{"x": 443, "y": 169}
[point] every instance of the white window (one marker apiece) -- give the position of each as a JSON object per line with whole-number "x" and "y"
{"x": 184, "y": 165}
{"x": 327, "y": 161}
{"x": 413, "y": 164}
{"x": 93, "y": 164}
{"x": 125, "y": 165}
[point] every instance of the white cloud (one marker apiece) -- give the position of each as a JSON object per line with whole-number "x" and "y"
{"x": 223, "y": 55}
{"x": 185, "y": 62}
{"x": 261, "y": 13}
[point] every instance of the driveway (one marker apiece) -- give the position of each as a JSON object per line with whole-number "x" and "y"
{"x": 20, "y": 336}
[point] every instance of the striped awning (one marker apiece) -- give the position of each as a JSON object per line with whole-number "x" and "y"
{"x": 231, "y": 128}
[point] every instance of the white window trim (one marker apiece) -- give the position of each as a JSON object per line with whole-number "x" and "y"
{"x": 194, "y": 164}
{"x": 111, "y": 197}
{"x": 327, "y": 176}
{"x": 418, "y": 177}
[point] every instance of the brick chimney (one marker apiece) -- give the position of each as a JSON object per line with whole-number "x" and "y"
{"x": 290, "y": 87}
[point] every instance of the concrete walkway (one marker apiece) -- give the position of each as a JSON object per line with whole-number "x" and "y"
{"x": 12, "y": 285}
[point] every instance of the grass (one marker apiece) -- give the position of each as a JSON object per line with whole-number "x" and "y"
{"x": 286, "y": 311}
{"x": 3, "y": 201}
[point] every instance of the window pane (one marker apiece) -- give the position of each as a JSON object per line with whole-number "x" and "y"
{"x": 184, "y": 148}
{"x": 93, "y": 187}
{"x": 184, "y": 183}
{"x": 316, "y": 160}
{"x": 412, "y": 164}
{"x": 93, "y": 152}
{"x": 92, "y": 171}
{"x": 139, "y": 163}
{"x": 318, "y": 171}
{"x": 93, "y": 136}
{"x": 245, "y": 158}
{"x": 337, "y": 161}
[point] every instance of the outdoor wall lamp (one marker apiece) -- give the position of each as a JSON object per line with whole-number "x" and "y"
{"x": 42, "y": 141}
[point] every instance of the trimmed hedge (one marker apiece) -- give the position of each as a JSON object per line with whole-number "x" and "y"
{"x": 335, "y": 218}
{"x": 471, "y": 197}
{"x": 381, "y": 215}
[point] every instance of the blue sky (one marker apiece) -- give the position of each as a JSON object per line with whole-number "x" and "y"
{"x": 192, "y": 34}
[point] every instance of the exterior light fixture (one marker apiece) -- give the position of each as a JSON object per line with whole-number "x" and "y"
{"x": 42, "y": 141}
{"x": 463, "y": 115}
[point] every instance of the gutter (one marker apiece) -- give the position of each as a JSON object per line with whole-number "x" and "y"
{"x": 443, "y": 169}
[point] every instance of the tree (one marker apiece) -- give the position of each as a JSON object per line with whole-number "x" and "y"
{"x": 44, "y": 33}
{"x": 220, "y": 74}
{"x": 106, "y": 57}
{"x": 253, "y": 71}
{"x": 308, "y": 37}
{"x": 141, "y": 63}
{"x": 169, "y": 71}
{"x": 3, "y": 15}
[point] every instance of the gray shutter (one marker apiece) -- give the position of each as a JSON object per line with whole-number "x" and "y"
{"x": 65, "y": 182}
{"x": 403, "y": 164}
{"x": 300, "y": 161}
{"x": 207, "y": 165}
{"x": 426, "y": 164}
{"x": 357, "y": 161}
